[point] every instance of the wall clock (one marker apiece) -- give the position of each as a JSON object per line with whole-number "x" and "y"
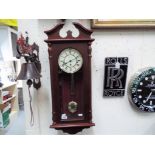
{"x": 70, "y": 70}
{"x": 141, "y": 90}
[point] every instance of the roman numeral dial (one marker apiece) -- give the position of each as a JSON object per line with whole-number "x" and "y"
{"x": 70, "y": 60}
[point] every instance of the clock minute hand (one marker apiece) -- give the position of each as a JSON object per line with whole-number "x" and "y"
{"x": 149, "y": 96}
{"x": 69, "y": 61}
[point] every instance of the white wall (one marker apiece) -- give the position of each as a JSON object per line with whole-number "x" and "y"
{"x": 111, "y": 115}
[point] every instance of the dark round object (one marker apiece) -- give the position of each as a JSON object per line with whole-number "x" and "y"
{"x": 1, "y": 84}
{"x": 18, "y": 56}
{"x": 142, "y": 90}
{"x": 29, "y": 82}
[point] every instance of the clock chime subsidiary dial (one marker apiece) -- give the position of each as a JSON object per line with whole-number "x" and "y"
{"x": 142, "y": 90}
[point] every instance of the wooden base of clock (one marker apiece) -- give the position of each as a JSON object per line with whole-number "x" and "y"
{"x": 72, "y": 128}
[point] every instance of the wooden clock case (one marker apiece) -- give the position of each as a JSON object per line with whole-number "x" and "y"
{"x": 61, "y": 81}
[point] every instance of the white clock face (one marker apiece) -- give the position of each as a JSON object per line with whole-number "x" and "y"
{"x": 70, "y": 60}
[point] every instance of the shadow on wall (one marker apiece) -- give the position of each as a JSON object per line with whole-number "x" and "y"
{"x": 89, "y": 131}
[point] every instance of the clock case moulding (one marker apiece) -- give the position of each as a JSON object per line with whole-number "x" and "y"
{"x": 59, "y": 80}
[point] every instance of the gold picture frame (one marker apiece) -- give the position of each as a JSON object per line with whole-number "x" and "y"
{"x": 122, "y": 23}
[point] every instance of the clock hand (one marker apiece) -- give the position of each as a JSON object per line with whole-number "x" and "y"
{"x": 69, "y": 61}
{"x": 64, "y": 63}
{"x": 149, "y": 96}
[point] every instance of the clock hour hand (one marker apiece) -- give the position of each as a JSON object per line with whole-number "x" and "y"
{"x": 153, "y": 90}
{"x": 64, "y": 63}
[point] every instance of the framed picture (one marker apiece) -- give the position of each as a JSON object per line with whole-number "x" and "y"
{"x": 122, "y": 23}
